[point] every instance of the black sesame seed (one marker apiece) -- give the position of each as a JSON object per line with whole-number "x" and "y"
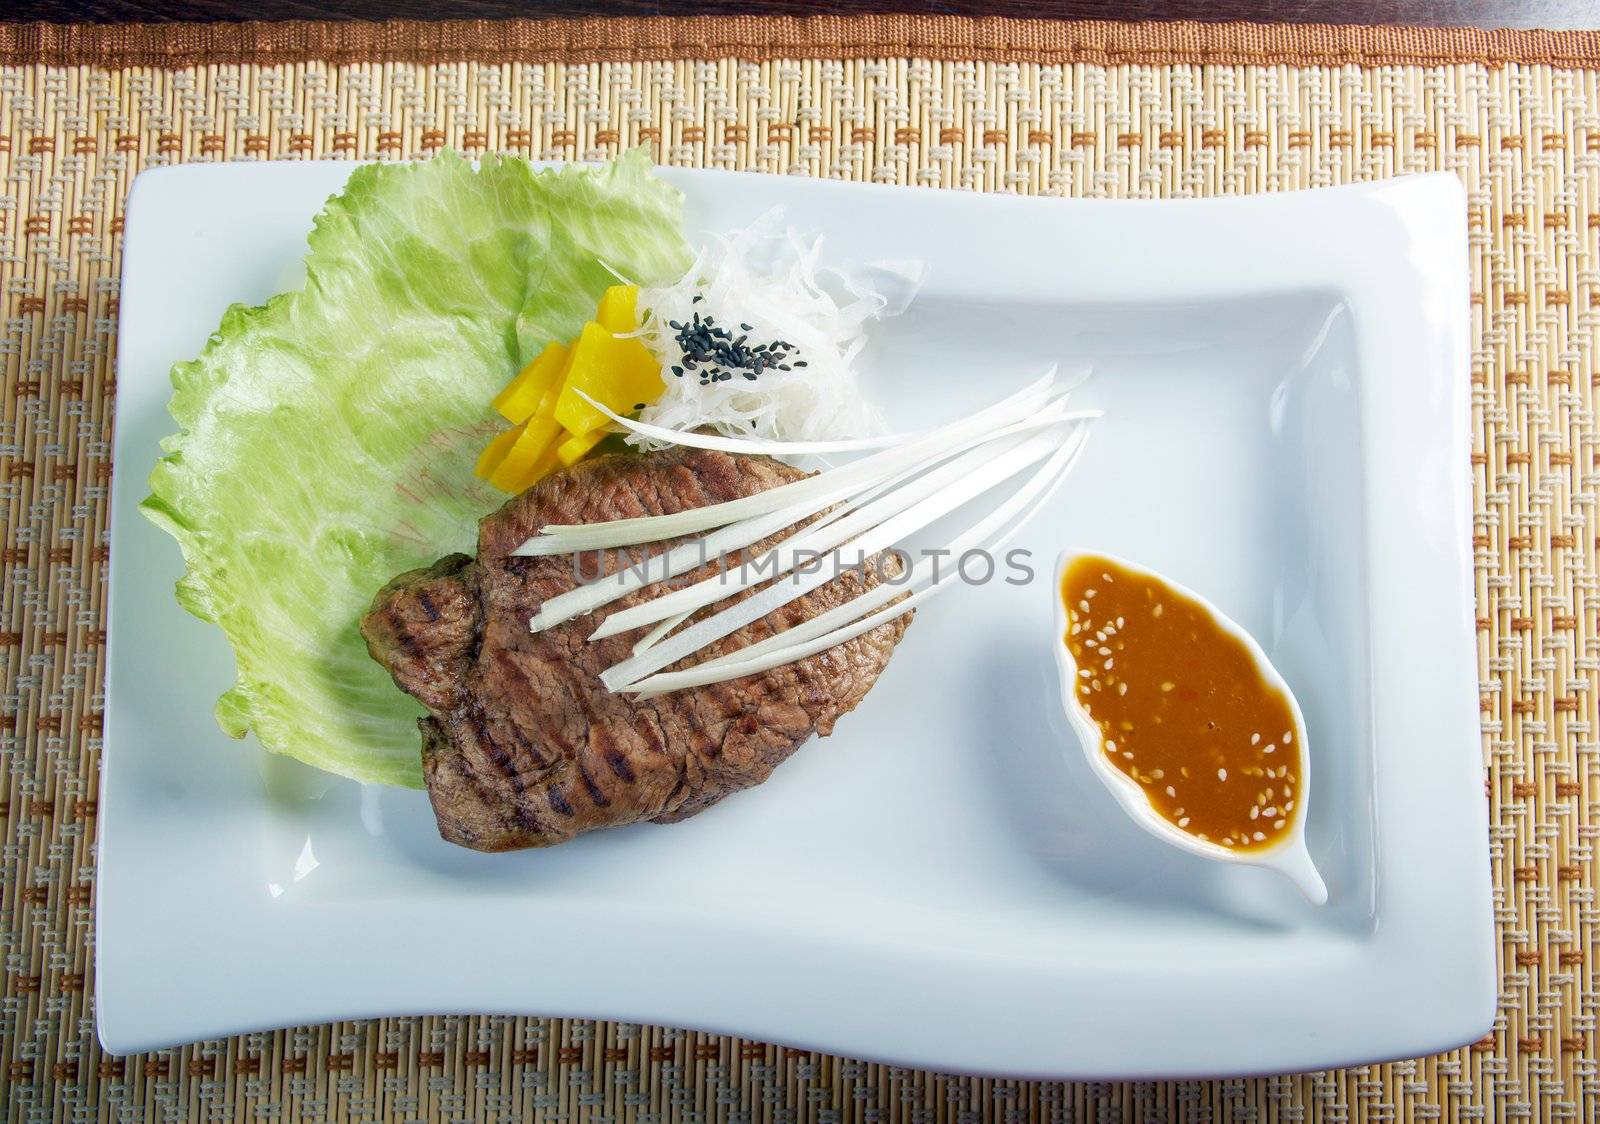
{"x": 718, "y": 355}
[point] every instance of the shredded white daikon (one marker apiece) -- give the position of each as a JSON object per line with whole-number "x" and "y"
{"x": 758, "y": 340}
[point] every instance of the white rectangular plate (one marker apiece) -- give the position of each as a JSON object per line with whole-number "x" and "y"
{"x": 941, "y": 883}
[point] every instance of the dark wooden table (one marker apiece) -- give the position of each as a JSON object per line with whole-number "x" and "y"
{"x": 1436, "y": 13}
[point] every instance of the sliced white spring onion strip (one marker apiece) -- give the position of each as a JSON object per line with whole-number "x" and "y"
{"x": 799, "y": 647}
{"x": 808, "y": 544}
{"x": 668, "y": 564}
{"x": 692, "y": 555}
{"x": 1031, "y": 496}
{"x": 804, "y": 496}
{"x": 863, "y": 473}
{"x": 1030, "y": 451}
{"x": 696, "y": 440}
{"x": 651, "y": 638}
{"x": 805, "y": 640}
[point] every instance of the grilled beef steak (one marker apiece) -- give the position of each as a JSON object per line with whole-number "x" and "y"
{"x": 523, "y": 746}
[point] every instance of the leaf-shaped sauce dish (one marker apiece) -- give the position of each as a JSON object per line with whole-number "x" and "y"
{"x": 1183, "y": 718}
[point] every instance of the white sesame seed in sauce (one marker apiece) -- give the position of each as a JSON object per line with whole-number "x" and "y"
{"x": 1222, "y": 774}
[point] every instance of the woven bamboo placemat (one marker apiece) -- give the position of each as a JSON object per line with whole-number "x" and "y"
{"x": 1082, "y": 110}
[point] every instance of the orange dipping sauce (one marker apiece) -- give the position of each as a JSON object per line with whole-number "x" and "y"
{"x": 1182, "y": 707}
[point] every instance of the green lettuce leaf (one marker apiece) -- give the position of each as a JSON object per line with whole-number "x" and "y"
{"x": 328, "y": 436}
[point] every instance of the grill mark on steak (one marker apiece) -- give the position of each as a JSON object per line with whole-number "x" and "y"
{"x": 619, "y": 765}
{"x": 498, "y": 757}
{"x": 697, "y": 731}
{"x": 523, "y": 746}
{"x": 539, "y": 761}
{"x": 558, "y": 802}
{"x": 595, "y": 795}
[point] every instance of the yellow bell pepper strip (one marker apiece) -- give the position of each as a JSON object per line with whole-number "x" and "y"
{"x": 619, "y": 308}
{"x": 521, "y": 396}
{"x": 517, "y": 464}
{"x": 545, "y": 466}
{"x": 574, "y": 449}
{"x": 547, "y": 463}
{"x": 621, "y": 373}
{"x": 538, "y": 436}
{"x": 495, "y": 451}
{"x": 618, "y": 372}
